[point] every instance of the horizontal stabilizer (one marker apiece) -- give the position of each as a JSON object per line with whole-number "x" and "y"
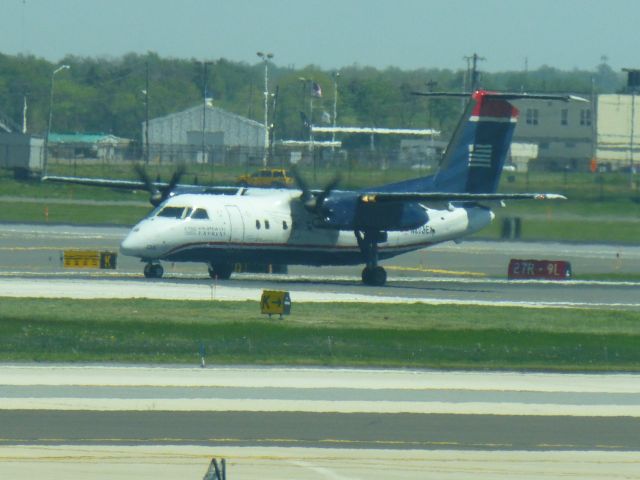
{"x": 506, "y": 96}
{"x": 454, "y": 197}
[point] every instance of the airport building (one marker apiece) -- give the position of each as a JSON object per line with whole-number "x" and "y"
{"x": 561, "y": 131}
{"x": 179, "y": 137}
{"x": 617, "y": 134}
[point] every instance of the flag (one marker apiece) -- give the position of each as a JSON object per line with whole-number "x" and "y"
{"x": 305, "y": 120}
{"x": 316, "y": 90}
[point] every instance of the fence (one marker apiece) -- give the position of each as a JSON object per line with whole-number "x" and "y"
{"x": 357, "y": 167}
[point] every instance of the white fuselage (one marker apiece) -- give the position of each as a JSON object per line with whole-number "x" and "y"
{"x": 272, "y": 226}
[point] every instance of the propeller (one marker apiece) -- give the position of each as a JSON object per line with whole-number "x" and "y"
{"x": 159, "y": 194}
{"x": 313, "y": 202}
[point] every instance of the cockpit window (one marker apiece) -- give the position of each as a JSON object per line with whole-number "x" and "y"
{"x": 200, "y": 214}
{"x": 171, "y": 212}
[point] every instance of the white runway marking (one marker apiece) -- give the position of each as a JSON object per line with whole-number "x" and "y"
{"x": 123, "y": 289}
{"x": 281, "y": 390}
{"x": 272, "y": 463}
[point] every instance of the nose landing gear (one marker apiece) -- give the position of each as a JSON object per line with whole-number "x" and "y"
{"x": 375, "y": 276}
{"x": 221, "y": 271}
{"x": 153, "y": 270}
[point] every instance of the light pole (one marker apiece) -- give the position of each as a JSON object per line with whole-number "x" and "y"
{"x": 46, "y": 138}
{"x": 265, "y": 58}
{"x": 335, "y": 107}
{"x": 146, "y": 114}
{"x": 205, "y": 64}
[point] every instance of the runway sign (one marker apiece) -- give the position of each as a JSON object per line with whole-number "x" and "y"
{"x": 89, "y": 259}
{"x": 546, "y": 269}
{"x": 275, "y": 302}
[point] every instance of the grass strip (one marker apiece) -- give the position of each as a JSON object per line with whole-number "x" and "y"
{"x": 419, "y": 336}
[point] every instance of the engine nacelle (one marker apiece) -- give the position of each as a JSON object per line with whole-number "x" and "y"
{"x": 345, "y": 211}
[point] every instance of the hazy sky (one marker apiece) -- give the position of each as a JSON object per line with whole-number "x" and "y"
{"x": 408, "y": 34}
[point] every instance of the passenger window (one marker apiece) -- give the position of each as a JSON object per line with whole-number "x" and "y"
{"x": 278, "y": 174}
{"x": 266, "y": 224}
{"x": 257, "y": 224}
{"x": 200, "y": 214}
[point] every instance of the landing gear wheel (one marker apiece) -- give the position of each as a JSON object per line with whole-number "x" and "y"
{"x": 375, "y": 276}
{"x": 153, "y": 270}
{"x": 221, "y": 271}
{"x": 372, "y": 274}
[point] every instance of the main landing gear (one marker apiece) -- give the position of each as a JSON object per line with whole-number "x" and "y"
{"x": 153, "y": 270}
{"x": 372, "y": 274}
{"x": 221, "y": 271}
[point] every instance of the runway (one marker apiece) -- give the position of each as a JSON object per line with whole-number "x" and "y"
{"x": 105, "y": 422}
{"x": 321, "y": 423}
{"x": 314, "y": 423}
{"x": 467, "y": 273}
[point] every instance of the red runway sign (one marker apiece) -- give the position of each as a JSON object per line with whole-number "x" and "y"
{"x": 547, "y": 269}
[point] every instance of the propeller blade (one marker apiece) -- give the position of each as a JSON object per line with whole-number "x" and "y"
{"x": 313, "y": 203}
{"x": 155, "y": 197}
{"x": 144, "y": 177}
{"x": 302, "y": 184}
{"x": 175, "y": 179}
{"x": 159, "y": 195}
{"x": 319, "y": 199}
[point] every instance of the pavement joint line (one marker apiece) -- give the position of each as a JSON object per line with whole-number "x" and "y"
{"x": 496, "y": 408}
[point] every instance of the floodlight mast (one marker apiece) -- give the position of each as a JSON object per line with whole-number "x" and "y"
{"x": 46, "y": 138}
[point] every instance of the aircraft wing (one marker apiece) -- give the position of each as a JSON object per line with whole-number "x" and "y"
{"x": 100, "y": 182}
{"x": 372, "y": 197}
{"x": 139, "y": 185}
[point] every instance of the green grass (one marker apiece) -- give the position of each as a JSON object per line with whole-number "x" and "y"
{"x": 319, "y": 334}
{"x": 71, "y": 214}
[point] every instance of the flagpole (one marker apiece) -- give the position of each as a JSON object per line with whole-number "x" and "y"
{"x": 266, "y": 57}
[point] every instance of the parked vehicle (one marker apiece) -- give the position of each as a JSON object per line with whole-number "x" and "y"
{"x": 266, "y": 177}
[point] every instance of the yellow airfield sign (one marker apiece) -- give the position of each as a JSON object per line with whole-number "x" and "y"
{"x": 89, "y": 259}
{"x": 275, "y": 302}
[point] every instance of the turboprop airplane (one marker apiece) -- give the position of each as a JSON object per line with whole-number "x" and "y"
{"x": 337, "y": 227}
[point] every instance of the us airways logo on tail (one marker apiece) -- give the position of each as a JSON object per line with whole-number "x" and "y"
{"x": 480, "y": 156}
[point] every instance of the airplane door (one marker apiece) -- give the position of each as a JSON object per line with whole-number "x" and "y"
{"x": 236, "y": 224}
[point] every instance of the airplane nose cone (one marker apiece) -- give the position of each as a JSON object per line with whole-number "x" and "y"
{"x": 132, "y": 245}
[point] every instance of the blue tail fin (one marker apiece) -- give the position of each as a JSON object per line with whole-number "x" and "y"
{"x": 479, "y": 147}
{"x": 476, "y": 152}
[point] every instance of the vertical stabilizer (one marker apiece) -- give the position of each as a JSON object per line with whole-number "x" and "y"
{"x": 479, "y": 147}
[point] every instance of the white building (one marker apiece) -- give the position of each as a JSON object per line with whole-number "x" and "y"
{"x": 618, "y": 131}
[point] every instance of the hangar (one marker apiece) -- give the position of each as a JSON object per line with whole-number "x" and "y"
{"x": 181, "y": 136}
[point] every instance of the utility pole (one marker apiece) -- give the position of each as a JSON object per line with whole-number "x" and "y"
{"x": 473, "y": 76}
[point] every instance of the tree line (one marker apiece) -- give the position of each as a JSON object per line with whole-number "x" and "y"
{"x": 109, "y": 95}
